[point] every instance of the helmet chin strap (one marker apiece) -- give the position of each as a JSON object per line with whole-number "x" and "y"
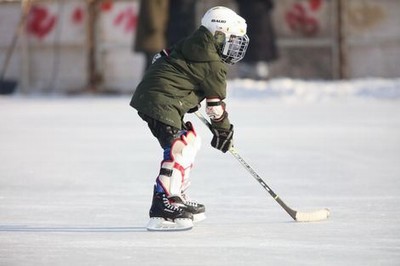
{"x": 225, "y": 49}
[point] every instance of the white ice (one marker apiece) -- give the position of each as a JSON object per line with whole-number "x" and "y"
{"x": 76, "y": 176}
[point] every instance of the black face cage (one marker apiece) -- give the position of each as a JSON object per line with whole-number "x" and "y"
{"x": 234, "y": 49}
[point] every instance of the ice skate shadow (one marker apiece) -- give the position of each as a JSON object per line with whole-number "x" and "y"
{"x": 71, "y": 229}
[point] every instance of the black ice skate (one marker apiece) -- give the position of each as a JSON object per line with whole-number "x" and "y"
{"x": 168, "y": 216}
{"x": 197, "y": 209}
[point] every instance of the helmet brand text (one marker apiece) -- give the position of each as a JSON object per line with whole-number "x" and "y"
{"x": 218, "y": 20}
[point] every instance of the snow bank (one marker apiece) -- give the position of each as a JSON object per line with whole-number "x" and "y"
{"x": 315, "y": 90}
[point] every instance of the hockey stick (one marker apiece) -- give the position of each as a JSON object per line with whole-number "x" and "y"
{"x": 313, "y": 216}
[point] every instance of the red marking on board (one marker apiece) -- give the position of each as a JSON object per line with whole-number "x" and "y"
{"x": 106, "y": 5}
{"x": 127, "y": 19}
{"x": 77, "y": 15}
{"x": 299, "y": 20}
{"x": 315, "y": 4}
{"x": 40, "y": 22}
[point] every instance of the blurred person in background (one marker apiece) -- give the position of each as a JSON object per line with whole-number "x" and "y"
{"x": 181, "y": 21}
{"x": 263, "y": 49}
{"x": 151, "y": 27}
{"x": 162, "y": 23}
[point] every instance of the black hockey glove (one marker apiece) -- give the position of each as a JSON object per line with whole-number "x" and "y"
{"x": 223, "y": 139}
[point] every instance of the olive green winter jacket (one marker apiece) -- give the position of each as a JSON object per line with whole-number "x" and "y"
{"x": 180, "y": 81}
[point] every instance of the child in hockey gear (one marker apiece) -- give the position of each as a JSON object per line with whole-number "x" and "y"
{"x": 177, "y": 82}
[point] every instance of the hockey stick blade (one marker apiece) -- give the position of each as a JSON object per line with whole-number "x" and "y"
{"x": 314, "y": 216}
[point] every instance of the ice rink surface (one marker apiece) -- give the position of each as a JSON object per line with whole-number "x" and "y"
{"x": 76, "y": 176}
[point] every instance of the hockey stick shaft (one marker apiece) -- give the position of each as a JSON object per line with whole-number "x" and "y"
{"x": 290, "y": 211}
{"x": 297, "y": 216}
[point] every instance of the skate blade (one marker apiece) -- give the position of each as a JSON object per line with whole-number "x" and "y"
{"x": 160, "y": 224}
{"x": 199, "y": 217}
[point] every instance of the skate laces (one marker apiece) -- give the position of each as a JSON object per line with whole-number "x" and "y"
{"x": 192, "y": 203}
{"x": 189, "y": 202}
{"x": 168, "y": 205}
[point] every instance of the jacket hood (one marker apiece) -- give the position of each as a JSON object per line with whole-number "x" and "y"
{"x": 200, "y": 46}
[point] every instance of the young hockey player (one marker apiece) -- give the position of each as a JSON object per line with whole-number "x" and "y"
{"x": 191, "y": 71}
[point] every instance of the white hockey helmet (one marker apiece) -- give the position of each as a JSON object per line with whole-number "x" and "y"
{"x": 229, "y": 29}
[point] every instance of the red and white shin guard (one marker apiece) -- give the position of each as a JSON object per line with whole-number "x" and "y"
{"x": 174, "y": 173}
